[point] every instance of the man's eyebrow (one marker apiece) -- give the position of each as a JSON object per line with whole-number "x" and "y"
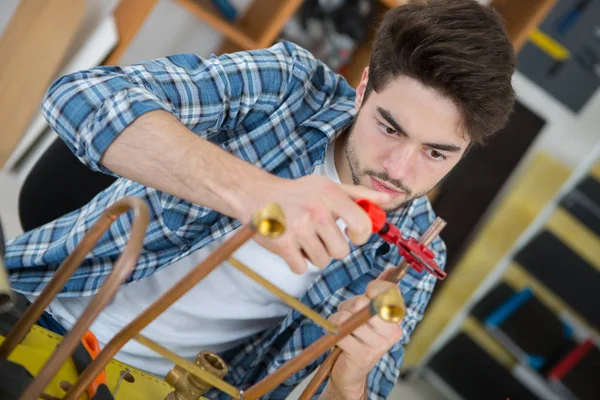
{"x": 385, "y": 114}
{"x": 452, "y": 148}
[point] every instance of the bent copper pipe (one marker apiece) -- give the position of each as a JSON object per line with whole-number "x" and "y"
{"x": 391, "y": 301}
{"x": 268, "y": 222}
{"x": 6, "y": 293}
{"x": 396, "y": 276}
{"x": 72, "y": 262}
{"x": 122, "y": 268}
{"x": 7, "y": 296}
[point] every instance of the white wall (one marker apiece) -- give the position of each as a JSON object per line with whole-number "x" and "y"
{"x": 567, "y": 136}
{"x": 7, "y": 8}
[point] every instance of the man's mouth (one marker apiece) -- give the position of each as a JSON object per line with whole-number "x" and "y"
{"x": 381, "y": 187}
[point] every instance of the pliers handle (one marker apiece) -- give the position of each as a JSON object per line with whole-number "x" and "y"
{"x": 418, "y": 256}
{"x": 85, "y": 352}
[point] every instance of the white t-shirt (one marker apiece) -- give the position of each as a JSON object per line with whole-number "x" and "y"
{"x": 221, "y": 311}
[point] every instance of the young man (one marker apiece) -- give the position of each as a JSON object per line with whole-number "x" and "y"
{"x": 207, "y": 142}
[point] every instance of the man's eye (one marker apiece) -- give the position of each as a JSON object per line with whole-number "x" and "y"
{"x": 386, "y": 129}
{"x": 436, "y": 155}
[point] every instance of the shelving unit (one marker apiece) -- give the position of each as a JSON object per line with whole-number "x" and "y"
{"x": 522, "y": 16}
{"x": 557, "y": 328}
{"x": 258, "y": 27}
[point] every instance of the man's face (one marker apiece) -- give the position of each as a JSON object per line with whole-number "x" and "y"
{"x": 405, "y": 139}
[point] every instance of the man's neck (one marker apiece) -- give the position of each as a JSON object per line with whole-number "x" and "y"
{"x": 341, "y": 160}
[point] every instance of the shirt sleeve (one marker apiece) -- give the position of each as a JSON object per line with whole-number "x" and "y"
{"x": 89, "y": 109}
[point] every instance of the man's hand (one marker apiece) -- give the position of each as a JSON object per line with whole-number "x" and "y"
{"x": 311, "y": 205}
{"x": 187, "y": 166}
{"x": 363, "y": 348}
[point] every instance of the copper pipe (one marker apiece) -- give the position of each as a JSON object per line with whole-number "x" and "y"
{"x": 72, "y": 262}
{"x": 286, "y": 298}
{"x": 268, "y": 221}
{"x": 308, "y": 354}
{"x": 431, "y": 233}
{"x": 158, "y": 307}
{"x": 189, "y": 367}
{"x": 325, "y": 369}
{"x": 385, "y": 304}
{"x": 122, "y": 268}
{"x": 6, "y": 294}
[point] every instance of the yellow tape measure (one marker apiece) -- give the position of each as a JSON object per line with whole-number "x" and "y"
{"x": 39, "y": 344}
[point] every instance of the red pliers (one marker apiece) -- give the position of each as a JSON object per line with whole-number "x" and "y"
{"x": 418, "y": 256}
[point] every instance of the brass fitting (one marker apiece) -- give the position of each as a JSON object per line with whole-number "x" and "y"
{"x": 190, "y": 387}
{"x": 389, "y": 305}
{"x": 269, "y": 221}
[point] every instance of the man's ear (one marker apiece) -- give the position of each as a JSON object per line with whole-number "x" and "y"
{"x": 361, "y": 88}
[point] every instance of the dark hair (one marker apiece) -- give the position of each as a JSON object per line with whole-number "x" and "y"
{"x": 458, "y": 47}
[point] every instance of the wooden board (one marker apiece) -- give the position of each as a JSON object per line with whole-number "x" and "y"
{"x": 522, "y": 17}
{"x": 129, "y": 17}
{"x": 32, "y": 49}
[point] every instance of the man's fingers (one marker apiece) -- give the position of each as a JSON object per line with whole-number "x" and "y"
{"x": 377, "y": 287}
{"x": 354, "y": 304}
{"x": 386, "y": 274}
{"x": 339, "y": 317}
{"x": 370, "y": 337}
{"x": 333, "y": 239}
{"x": 313, "y": 247}
{"x": 293, "y": 256}
{"x": 359, "y": 225}
{"x": 386, "y": 330}
{"x": 351, "y": 345}
{"x": 360, "y": 192}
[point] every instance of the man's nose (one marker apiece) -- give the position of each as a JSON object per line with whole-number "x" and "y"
{"x": 400, "y": 163}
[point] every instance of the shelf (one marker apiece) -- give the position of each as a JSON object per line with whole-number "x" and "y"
{"x": 393, "y": 3}
{"x": 477, "y": 332}
{"x": 467, "y": 367}
{"x": 129, "y": 17}
{"x": 526, "y": 378}
{"x": 583, "y": 204}
{"x": 564, "y": 272}
{"x": 362, "y": 54}
{"x": 522, "y": 16}
{"x": 595, "y": 172}
{"x": 257, "y": 28}
{"x": 518, "y": 279}
{"x": 576, "y": 236}
{"x": 523, "y": 324}
{"x": 211, "y": 16}
{"x": 360, "y": 60}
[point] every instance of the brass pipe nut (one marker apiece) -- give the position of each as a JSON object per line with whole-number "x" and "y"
{"x": 190, "y": 387}
{"x": 390, "y": 306}
{"x": 269, "y": 221}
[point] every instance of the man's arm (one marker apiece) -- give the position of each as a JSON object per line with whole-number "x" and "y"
{"x": 135, "y": 122}
{"x": 159, "y": 151}
{"x": 370, "y": 362}
{"x": 361, "y": 350}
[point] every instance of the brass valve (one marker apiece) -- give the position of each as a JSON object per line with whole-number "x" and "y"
{"x": 190, "y": 387}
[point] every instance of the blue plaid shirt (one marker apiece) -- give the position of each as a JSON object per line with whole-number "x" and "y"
{"x": 277, "y": 108}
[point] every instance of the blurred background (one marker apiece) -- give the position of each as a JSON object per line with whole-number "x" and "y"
{"x": 519, "y": 315}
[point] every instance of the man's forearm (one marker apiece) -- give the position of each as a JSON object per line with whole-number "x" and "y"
{"x": 331, "y": 392}
{"x": 158, "y": 151}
